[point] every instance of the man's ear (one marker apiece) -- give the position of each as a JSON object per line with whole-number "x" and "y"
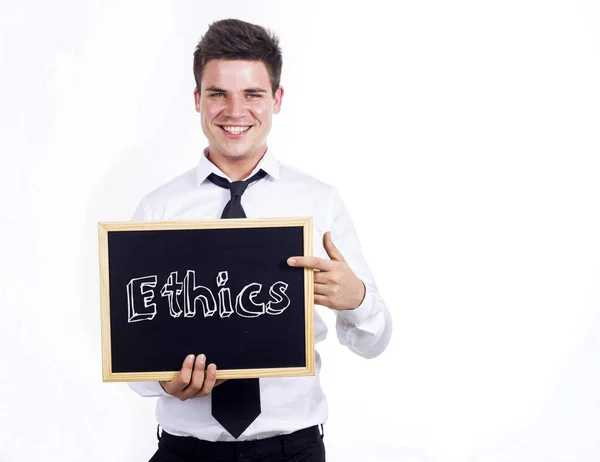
{"x": 277, "y": 98}
{"x": 197, "y": 99}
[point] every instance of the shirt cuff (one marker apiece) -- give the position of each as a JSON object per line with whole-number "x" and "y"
{"x": 361, "y": 313}
{"x": 148, "y": 388}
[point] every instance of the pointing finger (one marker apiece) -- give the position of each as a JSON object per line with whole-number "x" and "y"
{"x": 310, "y": 262}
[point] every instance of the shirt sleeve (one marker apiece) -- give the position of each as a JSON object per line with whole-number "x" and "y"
{"x": 142, "y": 213}
{"x": 147, "y": 389}
{"x": 367, "y": 329}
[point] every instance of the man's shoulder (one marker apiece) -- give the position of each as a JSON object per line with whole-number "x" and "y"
{"x": 295, "y": 175}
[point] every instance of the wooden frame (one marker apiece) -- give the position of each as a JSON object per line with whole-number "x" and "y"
{"x": 105, "y": 227}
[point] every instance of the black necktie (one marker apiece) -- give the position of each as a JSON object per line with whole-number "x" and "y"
{"x": 233, "y": 208}
{"x": 236, "y": 402}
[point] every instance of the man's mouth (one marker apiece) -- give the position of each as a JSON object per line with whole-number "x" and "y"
{"x": 235, "y": 129}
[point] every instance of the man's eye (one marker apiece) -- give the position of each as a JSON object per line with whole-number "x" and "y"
{"x": 217, "y": 94}
{"x": 254, "y": 95}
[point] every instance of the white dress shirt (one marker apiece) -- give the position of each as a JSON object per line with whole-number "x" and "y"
{"x": 288, "y": 403}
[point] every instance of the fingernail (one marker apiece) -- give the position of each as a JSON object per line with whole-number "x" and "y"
{"x": 201, "y": 359}
{"x": 291, "y": 261}
{"x": 190, "y": 359}
{"x": 212, "y": 369}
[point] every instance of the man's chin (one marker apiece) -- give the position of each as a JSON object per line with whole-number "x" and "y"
{"x": 235, "y": 153}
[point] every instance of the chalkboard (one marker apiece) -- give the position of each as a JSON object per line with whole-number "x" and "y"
{"x": 223, "y": 288}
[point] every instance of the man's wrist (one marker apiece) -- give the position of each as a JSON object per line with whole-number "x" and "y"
{"x": 362, "y": 292}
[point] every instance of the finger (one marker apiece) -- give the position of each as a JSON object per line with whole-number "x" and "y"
{"x": 197, "y": 378}
{"x": 183, "y": 378}
{"x": 311, "y": 262}
{"x": 321, "y": 289}
{"x": 201, "y": 392}
{"x": 209, "y": 380}
{"x": 331, "y": 249}
{"x": 321, "y": 277}
{"x": 321, "y": 300}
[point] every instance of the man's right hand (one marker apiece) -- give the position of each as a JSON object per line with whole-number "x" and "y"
{"x": 193, "y": 381}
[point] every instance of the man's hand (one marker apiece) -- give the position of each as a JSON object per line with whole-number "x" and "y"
{"x": 193, "y": 381}
{"x": 336, "y": 285}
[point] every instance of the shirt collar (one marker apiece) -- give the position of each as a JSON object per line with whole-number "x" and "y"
{"x": 268, "y": 163}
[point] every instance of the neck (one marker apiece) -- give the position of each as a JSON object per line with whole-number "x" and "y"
{"x": 236, "y": 168}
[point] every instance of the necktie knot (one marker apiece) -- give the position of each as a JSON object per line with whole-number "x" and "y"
{"x": 234, "y": 209}
{"x": 237, "y": 188}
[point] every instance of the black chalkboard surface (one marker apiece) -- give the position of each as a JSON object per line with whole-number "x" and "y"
{"x": 222, "y": 288}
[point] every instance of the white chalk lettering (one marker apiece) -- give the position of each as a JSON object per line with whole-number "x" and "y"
{"x": 244, "y": 303}
{"x": 171, "y": 289}
{"x": 193, "y": 294}
{"x": 136, "y": 289}
{"x": 281, "y": 300}
{"x": 225, "y": 308}
{"x": 141, "y": 292}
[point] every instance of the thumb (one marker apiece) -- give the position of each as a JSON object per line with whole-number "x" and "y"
{"x": 331, "y": 249}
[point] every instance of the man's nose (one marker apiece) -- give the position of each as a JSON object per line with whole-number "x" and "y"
{"x": 236, "y": 107}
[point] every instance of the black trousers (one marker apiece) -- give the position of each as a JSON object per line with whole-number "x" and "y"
{"x": 302, "y": 446}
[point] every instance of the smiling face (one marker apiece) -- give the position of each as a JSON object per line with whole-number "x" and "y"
{"x": 236, "y": 106}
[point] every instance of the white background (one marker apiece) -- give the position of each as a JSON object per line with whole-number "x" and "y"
{"x": 464, "y": 138}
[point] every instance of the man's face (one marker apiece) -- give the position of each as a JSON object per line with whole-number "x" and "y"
{"x": 236, "y": 106}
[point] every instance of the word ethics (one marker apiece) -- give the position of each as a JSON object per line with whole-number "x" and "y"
{"x": 141, "y": 293}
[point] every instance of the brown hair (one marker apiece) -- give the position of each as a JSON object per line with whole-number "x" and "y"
{"x": 239, "y": 40}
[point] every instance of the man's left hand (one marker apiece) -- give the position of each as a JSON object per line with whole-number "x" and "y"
{"x": 336, "y": 285}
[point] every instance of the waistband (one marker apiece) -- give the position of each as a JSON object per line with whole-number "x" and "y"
{"x": 190, "y": 446}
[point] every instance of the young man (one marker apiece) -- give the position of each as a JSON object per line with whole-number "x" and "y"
{"x": 237, "y": 67}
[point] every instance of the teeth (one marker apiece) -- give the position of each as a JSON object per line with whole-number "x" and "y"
{"x": 235, "y": 130}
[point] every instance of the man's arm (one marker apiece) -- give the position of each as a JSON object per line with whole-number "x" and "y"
{"x": 345, "y": 284}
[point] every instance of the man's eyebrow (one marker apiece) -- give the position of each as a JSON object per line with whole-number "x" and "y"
{"x": 213, "y": 88}
{"x": 247, "y": 90}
